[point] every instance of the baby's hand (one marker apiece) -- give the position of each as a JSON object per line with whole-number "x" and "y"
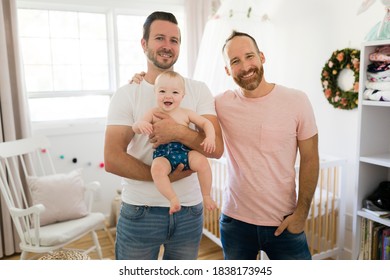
{"x": 145, "y": 127}
{"x": 208, "y": 144}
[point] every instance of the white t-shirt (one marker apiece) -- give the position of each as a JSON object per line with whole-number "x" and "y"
{"x": 128, "y": 105}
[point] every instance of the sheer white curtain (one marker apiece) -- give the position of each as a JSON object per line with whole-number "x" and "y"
{"x": 198, "y": 13}
{"x": 250, "y": 16}
{"x": 14, "y": 120}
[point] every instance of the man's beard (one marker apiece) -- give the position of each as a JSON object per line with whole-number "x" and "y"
{"x": 253, "y": 82}
{"x": 152, "y": 56}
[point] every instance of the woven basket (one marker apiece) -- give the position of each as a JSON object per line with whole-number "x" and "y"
{"x": 66, "y": 254}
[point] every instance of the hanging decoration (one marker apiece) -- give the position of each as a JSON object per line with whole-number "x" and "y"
{"x": 341, "y": 59}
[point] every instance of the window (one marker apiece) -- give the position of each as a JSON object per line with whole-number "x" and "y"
{"x": 75, "y": 58}
{"x": 130, "y": 54}
{"x": 64, "y": 51}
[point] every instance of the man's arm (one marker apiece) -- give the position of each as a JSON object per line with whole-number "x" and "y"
{"x": 308, "y": 178}
{"x": 167, "y": 130}
{"x": 116, "y": 158}
{"x": 308, "y": 175}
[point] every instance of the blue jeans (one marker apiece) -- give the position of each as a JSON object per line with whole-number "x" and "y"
{"x": 243, "y": 241}
{"x": 141, "y": 230}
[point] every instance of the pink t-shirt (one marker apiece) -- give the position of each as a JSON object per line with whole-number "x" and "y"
{"x": 261, "y": 147}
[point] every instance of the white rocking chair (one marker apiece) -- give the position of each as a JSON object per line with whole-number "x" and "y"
{"x": 30, "y": 157}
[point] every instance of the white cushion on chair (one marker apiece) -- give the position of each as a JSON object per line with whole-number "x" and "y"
{"x": 61, "y": 194}
{"x": 66, "y": 231}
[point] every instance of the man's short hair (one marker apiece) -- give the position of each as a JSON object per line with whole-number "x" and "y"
{"x": 242, "y": 34}
{"x": 158, "y": 15}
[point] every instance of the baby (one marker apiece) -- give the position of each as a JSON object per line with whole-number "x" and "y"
{"x": 169, "y": 89}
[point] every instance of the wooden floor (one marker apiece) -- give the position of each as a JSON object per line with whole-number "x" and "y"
{"x": 208, "y": 250}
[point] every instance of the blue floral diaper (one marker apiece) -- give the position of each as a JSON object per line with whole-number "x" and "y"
{"x": 175, "y": 152}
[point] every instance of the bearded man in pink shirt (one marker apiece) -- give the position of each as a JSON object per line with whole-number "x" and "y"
{"x": 264, "y": 127}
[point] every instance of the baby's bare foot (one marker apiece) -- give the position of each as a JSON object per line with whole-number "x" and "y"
{"x": 209, "y": 203}
{"x": 174, "y": 205}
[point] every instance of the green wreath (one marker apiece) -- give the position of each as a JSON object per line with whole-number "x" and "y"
{"x": 341, "y": 59}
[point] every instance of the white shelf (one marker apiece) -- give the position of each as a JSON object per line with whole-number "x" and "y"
{"x": 381, "y": 160}
{"x": 366, "y": 215}
{"x": 376, "y": 103}
{"x": 373, "y": 148}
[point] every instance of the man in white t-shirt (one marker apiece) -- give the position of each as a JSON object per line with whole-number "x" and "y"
{"x": 264, "y": 125}
{"x": 145, "y": 223}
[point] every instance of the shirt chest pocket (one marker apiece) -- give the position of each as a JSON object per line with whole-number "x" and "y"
{"x": 275, "y": 139}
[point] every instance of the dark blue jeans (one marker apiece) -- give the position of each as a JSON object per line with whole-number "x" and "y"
{"x": 141, "y": 230}
{"x": 243, "y": 241}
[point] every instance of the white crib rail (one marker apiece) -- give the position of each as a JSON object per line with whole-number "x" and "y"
{"x": 324, "y": 225}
